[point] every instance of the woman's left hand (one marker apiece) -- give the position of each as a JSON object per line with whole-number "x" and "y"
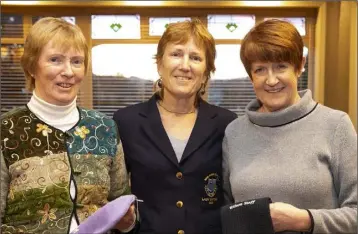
{"x": 127, "y": 220}
{"x": 286, "y": 217}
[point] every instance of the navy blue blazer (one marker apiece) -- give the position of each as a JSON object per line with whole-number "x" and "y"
{"x": 185, "y": 195}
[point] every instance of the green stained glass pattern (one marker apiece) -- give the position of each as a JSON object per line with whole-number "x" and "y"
{"x": 230, "y": 26}
{"x": 115, "y": 27}
{"x": 157, "y": 25}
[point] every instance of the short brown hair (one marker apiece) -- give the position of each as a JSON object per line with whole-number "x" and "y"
{"x": 272, "y": 41}
{"x": 181, "y": 32}
{"x": 64, "y": 34}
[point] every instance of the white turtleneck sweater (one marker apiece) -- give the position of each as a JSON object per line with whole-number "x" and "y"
{"x": 61, "y": 117}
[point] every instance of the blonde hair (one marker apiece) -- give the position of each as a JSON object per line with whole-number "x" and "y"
{"x": 62, "y": 33}
{"x": 181, "y": 33}
{"x": 272, "y": 41}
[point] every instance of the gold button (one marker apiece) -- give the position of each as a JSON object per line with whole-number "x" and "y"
{"x": 181, "y": 232}
{"x": 180, "y": 204}
{"x": 179, "y": 175}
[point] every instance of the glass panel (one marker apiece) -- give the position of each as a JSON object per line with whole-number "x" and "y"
{"x": 157, "y": 25}
{"x": 230, "y": 87}
{"x": 12, "y": 82}
{"x": 125, "y": 77}
{"x": 230, "y": 26}
{"x": 11, "y": 26}
{"x": 300, "y": 23}
{"x": 303, "y": 80}
{"x": 70, "y": 19}
{"x": 115, "y": 27}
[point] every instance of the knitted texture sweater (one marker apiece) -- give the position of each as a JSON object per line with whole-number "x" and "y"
{"x": 304, "y": 155}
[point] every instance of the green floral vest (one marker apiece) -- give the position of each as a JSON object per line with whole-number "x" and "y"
{"x": 40, "y": 162}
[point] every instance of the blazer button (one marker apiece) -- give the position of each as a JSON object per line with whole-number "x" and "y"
{"x": 181, "y": 232}
{"x": 180, "y": 204}
{"x": 179, "y": 175}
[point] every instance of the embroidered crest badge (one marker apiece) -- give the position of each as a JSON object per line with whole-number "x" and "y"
{"x": 211, "y": 186}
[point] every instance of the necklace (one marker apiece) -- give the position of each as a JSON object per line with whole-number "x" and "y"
{"x": 175, "y": 112}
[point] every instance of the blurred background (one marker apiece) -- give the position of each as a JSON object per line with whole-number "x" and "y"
{"x": 123, "y": 36}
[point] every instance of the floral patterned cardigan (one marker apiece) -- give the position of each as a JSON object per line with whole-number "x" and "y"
{"x": 38, "y": 162}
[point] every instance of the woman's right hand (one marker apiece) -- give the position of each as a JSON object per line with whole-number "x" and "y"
{"x": 286, "y": 217}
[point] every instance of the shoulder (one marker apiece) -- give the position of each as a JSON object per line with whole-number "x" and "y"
{"x": 129, "y": 112}
{"x": 237, "y": 124}
{"x": 223, "y": 114}
{"x": 332, "y": 116}
{"x": 18, "y": 111}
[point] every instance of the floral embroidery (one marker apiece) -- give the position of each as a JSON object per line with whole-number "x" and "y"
{"x": 47, "y": 213}
{"x": 81, "y": 131}
{"x": 44, "y": 129}
{"x": 11, "y": 192}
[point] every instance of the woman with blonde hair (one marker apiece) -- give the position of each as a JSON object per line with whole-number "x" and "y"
{"x": 60, "y": 163}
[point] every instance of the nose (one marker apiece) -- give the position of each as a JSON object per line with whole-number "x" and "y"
{"x": 67, "y": 70}
{"x": 185, "y": 64}
{"x": 271, "y": 79}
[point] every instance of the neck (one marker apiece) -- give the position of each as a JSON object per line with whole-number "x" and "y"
{"x": 61, "y": 117}
{"x": 178, "y": 105}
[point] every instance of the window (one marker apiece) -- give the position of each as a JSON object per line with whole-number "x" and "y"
{"x": 158, "y": 25}
{"x": 230, "y": 26}
{"x": 115, "y": 27}
{"x": 125, "y": 77}
{"x": 123, "y": 68}
{"x": 11, "y": 26}
{"x": 69, "y": 19}
{"x": 300, "y": 24}
{"x": 13, "y": 92}
{"x": 230, "y": 87}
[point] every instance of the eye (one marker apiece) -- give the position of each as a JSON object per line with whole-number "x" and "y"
{"x": 175, "y": 54}
{"x": 196, "y": 58}
{"x": 77, "y": 62}
{"x": 281, "y": 66}
{"x": 55, "y": 59}
{"x": 259, "y": 70}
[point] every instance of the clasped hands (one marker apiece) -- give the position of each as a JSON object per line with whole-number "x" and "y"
{"x": 286, "y": 217}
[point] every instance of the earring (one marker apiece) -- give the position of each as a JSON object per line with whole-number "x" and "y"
{"x": 159, "y": 82}
{"x": 202, "y": 89}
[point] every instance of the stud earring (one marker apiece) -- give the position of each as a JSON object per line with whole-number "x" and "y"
{"x": 160, "y": 83}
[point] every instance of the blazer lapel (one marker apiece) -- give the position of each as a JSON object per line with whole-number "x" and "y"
{"x": 204, "y": 127}
{"x": 154, "y": 129}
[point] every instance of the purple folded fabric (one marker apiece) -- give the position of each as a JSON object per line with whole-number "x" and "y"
{"x": 106, "y": 217}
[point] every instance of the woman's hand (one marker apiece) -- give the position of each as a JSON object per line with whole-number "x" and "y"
{"x": 127, "y": 221}
{"x": 286, "y": 217}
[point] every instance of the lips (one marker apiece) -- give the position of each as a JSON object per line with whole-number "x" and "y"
{"x": 276, "y": 90}
{"x": 183, "y": 77}
{"x": 65, "y": 85}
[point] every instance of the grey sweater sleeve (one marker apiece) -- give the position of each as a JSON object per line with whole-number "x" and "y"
{"x": 228, "y": 198}
{"x": 5, "y": 178}
{"x": 344, "y": 173}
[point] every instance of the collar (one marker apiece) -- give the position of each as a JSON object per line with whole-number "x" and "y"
{"x": 288, "y": 115}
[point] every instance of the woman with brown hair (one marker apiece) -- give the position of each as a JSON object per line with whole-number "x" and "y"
{"x": 172, "y": 142}
{"x": 288, "y": 147}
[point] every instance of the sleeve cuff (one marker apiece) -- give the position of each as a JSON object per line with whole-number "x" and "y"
{"x": 310, "y": 231}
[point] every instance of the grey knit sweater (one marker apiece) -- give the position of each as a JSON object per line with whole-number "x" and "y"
{"x": 304, "y": 155}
